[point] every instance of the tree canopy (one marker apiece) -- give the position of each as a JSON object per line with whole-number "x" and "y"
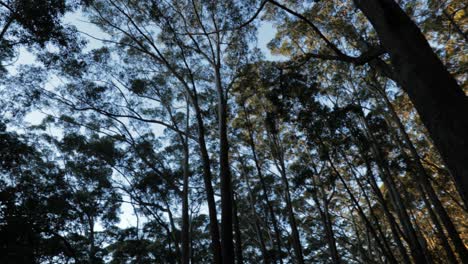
{"x": 163, "y": 132}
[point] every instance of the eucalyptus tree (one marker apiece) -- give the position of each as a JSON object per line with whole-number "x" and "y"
{"x": 413, "y": 64}
{"x": 127, "y": 106}
{"x": 321, "y": 158}
{"x": 183, "y": 40}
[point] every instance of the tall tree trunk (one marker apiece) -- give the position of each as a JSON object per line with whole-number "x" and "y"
{"x": 363, "y": 216}
{"x": 387, "y": 213}
{"x": 326, "y": 220}
{"x": 264, "y": 188}
{"x": 330, "y": 234}
{"x": 227, "y": 244}
{"x": 394, "y": 228}
{"x": 391, "y": 220}
{"x": 440, "y": 232}
{"x": 423, "y": 180}
{"x": 185, "y": 207}
{"x": 438, "y": 98}
{"x": 253, "y": 202}
{"x": 173, "y": 232}
{"x": 239, "y": 256}
{"x": 417, "y": 250}
{"x": 278, "y": 157}
{"x": 92, "y": 246}
{"x": 214, "y": 229}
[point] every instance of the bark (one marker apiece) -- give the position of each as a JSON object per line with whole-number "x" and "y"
{"x": 92, "y": 247}
{"x": 173, "y": 232}
{"x": 227, "y": 244}
{"x": 214, "y": 230}
{"x": 395, "y": 229}
{"x": 425, "y": 186}
{"x": 185, "y": 208}
{"x": 440, "y": 233}
{"x": 437, "y": 97}
{"x": 417, "y": 250}
{"x": 326, "y": 221}
{"x": 264, "y": 188}
{"x": 280, "y": 165}
{"x": 258, "y": 230}
{"x": 239, "y": 256}
{"x": 330, "y": 234}
{"x": 363, "y": 216}
{"x": 387, "y": 214}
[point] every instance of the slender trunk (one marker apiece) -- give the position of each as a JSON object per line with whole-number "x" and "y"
{"x": 173, "y": 232}
{"x": 92, "y": 247}
{"x": 440, "y": 233}
{"x": 214, "y": 230}
{"x": 364, "y": 255}
{"x": 417, "y": 251}
{"x": 423, "y": 180}
{"x": 388, "y": 215}
{"x": 330, "y": 233}
{"x": 258, "y": 230}
{"x": 326, "y": 221}
{"x": 439, "y": 100}
{"x": 227, "y": 244}
{"x": 264, "y": 188}
{"x": 280, "y": 164}
{"x": 239, "y": 256}
{"x": 185, "y": 208}
{"x": 394, "y": 228}
{"x": 392, "y": 222}
{"x": 369, "y": 225}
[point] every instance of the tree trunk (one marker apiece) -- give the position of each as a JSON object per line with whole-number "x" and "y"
{"x": 423, "y": 180}
{"x": 363, "y": 216}
{"x": 227, "y": 244}
{"x": 185, "y": 208}
{"x": 438, "y": 98}
{"x": 239, "y": 256}
{"x": 326, "y": 221}
{"x": 264, "y": 188}
{"x": 173, "y": 232}
{"x": 417, "y": 251}
{"x": 387, "y": 213}
{"x": 280, "y": 165}
{"x": 258, "y": 230}
{"x": 214, "y": 229}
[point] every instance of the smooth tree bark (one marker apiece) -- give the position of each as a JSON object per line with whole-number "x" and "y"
{"x": 227, "y": 244}
{"x": 265, "y": 191}
{"x": 238, "y": 237}
{"x": 279, "y": 161}
{"x": 185, "y": 239}
{"x": 438, "y": 99}
{"x": 422, "y": 179}
{"x": 417, "y": 250}
{"x": 252, "y": 202}
{"x": 387, "y": 214}
{"x": 173, "y": 231}
{"x": 214, "y": 230}
{"x": 390, "y": 257}
{"x": 326, "y": 218}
